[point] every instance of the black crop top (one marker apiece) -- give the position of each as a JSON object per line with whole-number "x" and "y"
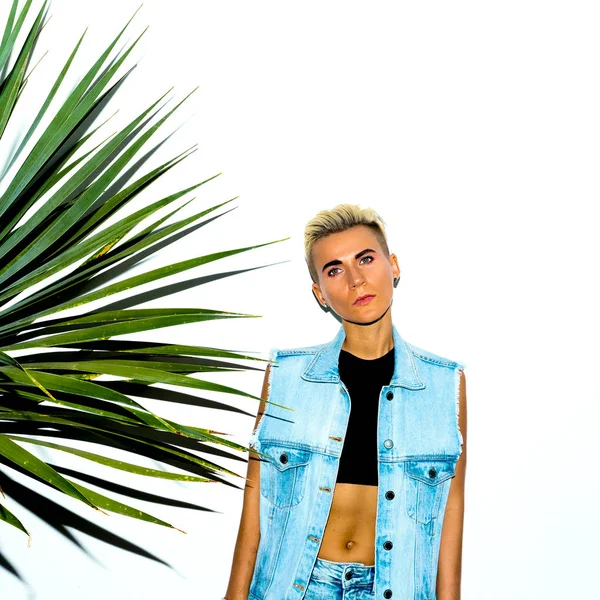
{"x": 364, "y": 379}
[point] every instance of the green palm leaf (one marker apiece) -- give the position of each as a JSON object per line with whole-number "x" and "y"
{"x": 111, "y": 462}
{"x": 64, "y": 243}
{"x": 8, "y": 517}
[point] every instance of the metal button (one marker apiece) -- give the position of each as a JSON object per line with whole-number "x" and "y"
{"x": 387, "y": 594}
{"x": 283, "y": 458}
{"x": 388, "y": 443}
{"x": 348, "y": 574}
{"x": 432, "y": 472}
{"x": 390, "y": 495}
{"x": 388, "y": 545}
{"x": 390, "y": 395}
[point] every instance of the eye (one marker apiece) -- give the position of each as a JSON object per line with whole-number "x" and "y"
{"x": 330, "y": 271}
{"x": 367, "y": 256}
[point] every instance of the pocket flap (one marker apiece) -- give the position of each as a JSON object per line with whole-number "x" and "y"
{"x": 284, "y": 457}
{"x": 431, "y": 472}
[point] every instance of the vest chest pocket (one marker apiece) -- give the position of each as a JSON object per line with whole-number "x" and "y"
{"x": 283, "y": 476}
{"x": 423, "y": 487}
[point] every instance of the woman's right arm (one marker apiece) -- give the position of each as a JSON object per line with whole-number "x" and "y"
{"x": 246, "y": 546}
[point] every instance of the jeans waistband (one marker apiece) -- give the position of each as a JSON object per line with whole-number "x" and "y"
{"x": 347, "y": 573}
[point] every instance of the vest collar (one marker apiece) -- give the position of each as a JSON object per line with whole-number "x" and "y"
{"x": 324, "y": 366}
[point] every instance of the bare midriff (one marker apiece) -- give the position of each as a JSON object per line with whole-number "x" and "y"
{"x": 350, "y": 531}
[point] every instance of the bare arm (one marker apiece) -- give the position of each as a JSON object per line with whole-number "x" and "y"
{"x": 450, "y": 559}
{"x": 246, "y": 546}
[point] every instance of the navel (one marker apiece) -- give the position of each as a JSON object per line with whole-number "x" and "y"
{"x": 349, "y": 544}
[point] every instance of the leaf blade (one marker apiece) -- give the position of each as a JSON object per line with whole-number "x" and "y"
{"x": 10, "y": 519}
{"x": 14, "y": 453}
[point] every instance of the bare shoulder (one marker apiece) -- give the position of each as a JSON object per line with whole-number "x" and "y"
{"x": 264, "y": 394}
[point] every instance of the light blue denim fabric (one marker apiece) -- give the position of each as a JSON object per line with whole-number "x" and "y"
{"x": 340, "y": 581}
{"x": 418, "y": 445}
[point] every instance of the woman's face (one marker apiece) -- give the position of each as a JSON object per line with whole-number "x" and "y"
{"x": 351, "y": 264}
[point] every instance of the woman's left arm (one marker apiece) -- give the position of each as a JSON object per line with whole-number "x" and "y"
{"x": 450, "y": 558}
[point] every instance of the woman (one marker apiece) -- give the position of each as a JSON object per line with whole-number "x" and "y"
{"x": 360, "y": 490}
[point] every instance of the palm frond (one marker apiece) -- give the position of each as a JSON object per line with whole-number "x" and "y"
{"x": 59, "y": 252}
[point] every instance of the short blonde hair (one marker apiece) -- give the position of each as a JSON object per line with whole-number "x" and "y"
{"x": 340, "y": 218}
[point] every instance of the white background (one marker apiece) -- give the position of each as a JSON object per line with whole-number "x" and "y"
{"x": 473, "y": 128}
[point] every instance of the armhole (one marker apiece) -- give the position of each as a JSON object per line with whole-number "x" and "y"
{"x": 254, "y": 441}
{"x": 459, "y": 367}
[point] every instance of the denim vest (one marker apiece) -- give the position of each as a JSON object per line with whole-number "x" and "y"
{"x": 418, "y": 445}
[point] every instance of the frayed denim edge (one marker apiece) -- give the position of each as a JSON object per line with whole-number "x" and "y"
{"x": 457, "y": 371}
{"x": 253, "y": 442}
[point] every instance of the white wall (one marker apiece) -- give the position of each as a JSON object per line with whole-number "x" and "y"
{"x": 473, "y": 129}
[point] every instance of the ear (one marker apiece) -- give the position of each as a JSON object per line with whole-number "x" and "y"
{"x": 395, "y": 265}
{"x": 317, "y": 292}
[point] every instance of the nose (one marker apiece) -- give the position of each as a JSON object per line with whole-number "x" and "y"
{"x": 355, "y": 277}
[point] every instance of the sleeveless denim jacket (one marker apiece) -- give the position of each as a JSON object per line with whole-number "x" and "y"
{"x": 418, "y": 445}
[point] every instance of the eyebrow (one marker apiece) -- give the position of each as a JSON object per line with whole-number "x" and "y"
{"x": 331, "y": 263}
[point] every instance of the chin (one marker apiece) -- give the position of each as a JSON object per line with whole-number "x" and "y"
{"x": 368, "y": 317}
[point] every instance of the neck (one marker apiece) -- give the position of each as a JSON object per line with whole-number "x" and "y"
{"x": 369, "y": 341}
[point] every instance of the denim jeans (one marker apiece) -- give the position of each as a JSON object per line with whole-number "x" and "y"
{"x": 341, "y": 581}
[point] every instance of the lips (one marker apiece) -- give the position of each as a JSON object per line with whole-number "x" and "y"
{"x": 364, "y": 299}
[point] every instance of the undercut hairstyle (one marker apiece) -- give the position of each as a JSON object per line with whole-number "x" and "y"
{"x": 341, "y": 218}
